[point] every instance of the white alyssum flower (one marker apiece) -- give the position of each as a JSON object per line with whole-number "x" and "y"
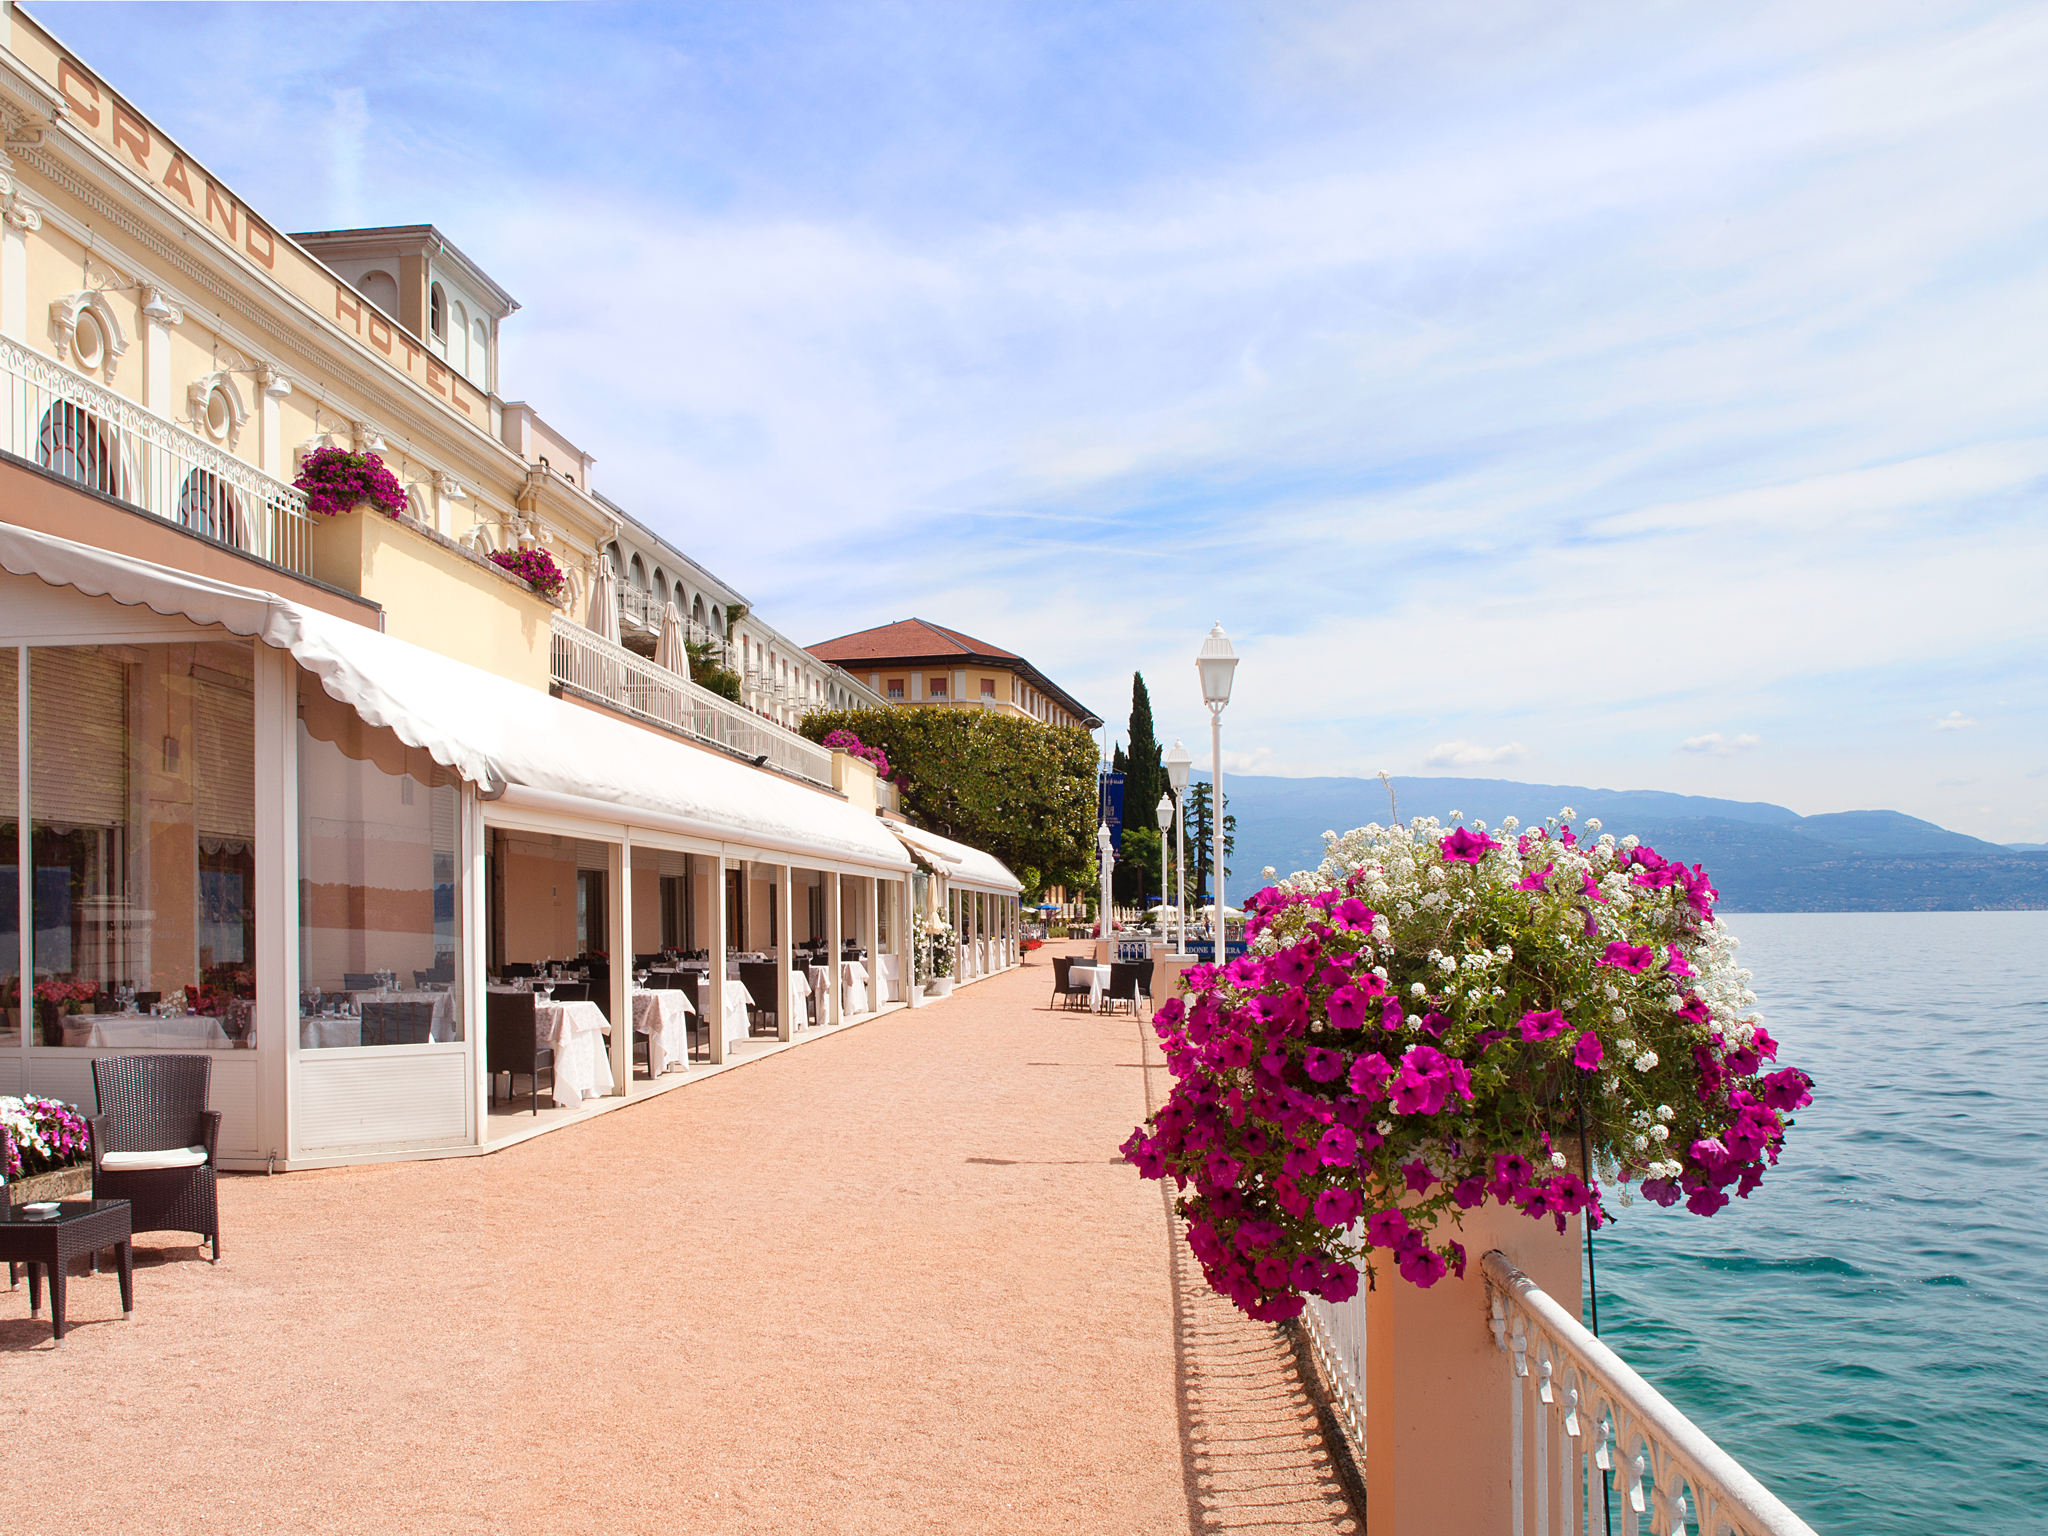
{"x": 1417, "y": 989}
{"x": 1666, "y": 1113}
{"x": 1557, "y": 1159}
{"x": 1613, "y": 992}
{"x": 1646, "y": 1061}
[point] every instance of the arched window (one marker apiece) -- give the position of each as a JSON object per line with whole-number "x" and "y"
{"x": 660, "y": 585}
{"x": 682, "y": 599}
{"x": 208, "y": 505}
{"x": 437, "y": 311}
{"x": 717, "y": 619}
{"x": 697, "y": 609}
{"x": 638, "y": 572}
{"x": 458, "y": 341}
{"x": 81, "y": 448}
{"x": 381, "y": 289}
{"x": 480, "y": 354}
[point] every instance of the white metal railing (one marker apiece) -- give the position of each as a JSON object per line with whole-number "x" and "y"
{"x": 85, "y": 432}
{"x": 644, "y": 609}
{"x": 1336, "y": 1331}
{"x": 1579, "y": 1416}
{"x": 595, "y": 667}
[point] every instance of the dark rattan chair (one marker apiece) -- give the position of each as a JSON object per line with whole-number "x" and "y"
{"x": 157, "y": 1104}
{"x": 1128, "y": 982}
{"x": 1061, "y": 964}
{"x": 758, "y": 977}
{"x": 361, "y": 981}
{"x": 512, "y": 1044}
{"x": 1074, "y": 993}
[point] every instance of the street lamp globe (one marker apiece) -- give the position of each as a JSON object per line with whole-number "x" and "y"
{"x": 1165, "y": 813}
{"x": 1217, "y": 662}
{"x": 1177, "y": 762}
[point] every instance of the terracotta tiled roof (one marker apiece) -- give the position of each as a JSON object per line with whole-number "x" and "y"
{"x": 919, "y": 642}
{"x": 905, "y": 640}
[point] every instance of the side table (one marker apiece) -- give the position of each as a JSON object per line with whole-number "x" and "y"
{"x": 49, "y": 1245}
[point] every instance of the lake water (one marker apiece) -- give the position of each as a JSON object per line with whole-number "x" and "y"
{"x": 1868, "y": 1333}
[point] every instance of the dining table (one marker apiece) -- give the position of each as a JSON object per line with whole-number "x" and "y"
{"x": 889, "y": 977}
{"x": 853, "y": 978}
{"x": 664, "y": 1018}
{"x": 115, "y": 1031}
{"x": 443, "y": 1027}
{"x": 576, "y": 1033}
{"x": 1096, "y": 978}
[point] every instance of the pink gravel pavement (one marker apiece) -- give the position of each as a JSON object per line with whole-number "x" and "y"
{"x": 896, "y": 1280}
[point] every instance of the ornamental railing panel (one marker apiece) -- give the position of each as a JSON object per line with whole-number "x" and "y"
{"x": 56, "y": 417}
{"x": 1336, "y": 1332}
{"x": 610, "y": 674}
{"x": 1593, "y": 1442}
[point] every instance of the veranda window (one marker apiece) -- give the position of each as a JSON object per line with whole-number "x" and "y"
{"x": 378, "y": 886}
{"x": 142, "y": 869}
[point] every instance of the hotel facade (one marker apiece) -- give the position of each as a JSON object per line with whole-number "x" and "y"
{"x": 254, "y": 759}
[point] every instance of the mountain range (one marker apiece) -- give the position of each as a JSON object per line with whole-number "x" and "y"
{"x": 1762, "y": 857}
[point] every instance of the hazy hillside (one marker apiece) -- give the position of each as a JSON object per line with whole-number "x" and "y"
{"x": 1763, "y": 857}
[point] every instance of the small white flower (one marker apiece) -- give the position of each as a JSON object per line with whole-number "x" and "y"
{"x": 1477, "y": 826}
{"x": 1557, "y": 1159}
{"x": 1417, "y": 989}
{"x": 1628, "y": 1197}
{"x": 1613, "y": 992}
{"x": 1268, "y": 870}
{"x": 1414, "y": 1021}
{"x": 1665, "y": 1113}
{"x": 1385, "y": 1127}
{"x": 1646, "y": 1061}
{"x": 1642, "y": 1143}
{"x": 1455, "y": 815}
{"x": 1660, "y": 1133}
{"x": 1380, "y": 971}
{"x": 1567, "y": 814}
{"x": 1625, "y": 1047}
{"x": 1592, "y": 822}
{"x": 1618, "y": 1014}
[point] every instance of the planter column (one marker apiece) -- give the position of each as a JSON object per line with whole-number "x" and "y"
{"x": 1440, "y": 1454}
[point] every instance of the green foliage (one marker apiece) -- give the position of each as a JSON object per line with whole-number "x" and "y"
{"x": 1201, "y": 843}
{"x": 1144, "y": 774}
{"x": 707, "y": 672}
{"x": 1136, "y": 877}
{"x": 1010, "y": 786}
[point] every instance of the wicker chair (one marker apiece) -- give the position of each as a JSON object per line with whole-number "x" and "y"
{"x": 1064, "y": 986}
{"x": 758, "y": 977}
{"x": 1128, "y": 982}
{"x": 154, "y": 1142}
{"x": 512, "y": 1044}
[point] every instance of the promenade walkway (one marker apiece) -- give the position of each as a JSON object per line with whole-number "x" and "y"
{"x": 892, "y": 1281}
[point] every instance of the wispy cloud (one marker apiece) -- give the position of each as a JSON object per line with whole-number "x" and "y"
{"x": 1466, "y": 754}
{"x": 1498, "y": 374}
{"x": 1714, "y": 744}
{"x": 1954, "y": 720}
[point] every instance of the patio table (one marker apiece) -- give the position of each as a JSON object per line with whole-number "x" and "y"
{"x": 737, "y": 1024}
{"x": 1097, "y": 978}
{"x": 576, "y": 1032}
{"x": 48, "y": 1244}
{"x": 664, "y": 1017}
{"x": 853, "y": 976}
{"x": 888, "y": 972}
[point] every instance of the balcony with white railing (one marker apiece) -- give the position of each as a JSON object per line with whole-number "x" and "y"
{"x": 1592, "y": 1447}
{"x": 80, "y": 429}
{"x": 593, "y": 667}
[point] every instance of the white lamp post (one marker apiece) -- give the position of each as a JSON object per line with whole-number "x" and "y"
{"x": 1106, "y": 858}
{"x": 1177, "y": 763}
{"x": 1165, "y": 815}
{"x": 1216, "y": 663}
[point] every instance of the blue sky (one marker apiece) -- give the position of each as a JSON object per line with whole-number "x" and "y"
{"x": 1648, "y": 397}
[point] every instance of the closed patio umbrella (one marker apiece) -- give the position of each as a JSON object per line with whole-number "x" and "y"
{"x": 669, "y": 650}
{"x": 604, "y": 603}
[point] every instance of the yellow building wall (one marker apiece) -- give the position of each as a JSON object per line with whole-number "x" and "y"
{"x": 435, "y": 596}
{"x": 540, "y": 908}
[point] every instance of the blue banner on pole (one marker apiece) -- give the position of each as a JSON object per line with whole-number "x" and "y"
{"x": 1111, "y": 809}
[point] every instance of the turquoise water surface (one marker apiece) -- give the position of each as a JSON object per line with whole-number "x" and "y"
{"x": 1867, "y": 1333}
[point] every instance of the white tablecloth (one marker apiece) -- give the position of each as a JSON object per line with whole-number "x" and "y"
{"x": 576, "y": 1033}
{"x": 1096, "y": 977}
{"x": 891, "y": 977}
{"x": 736, "y": 1022}
{"x": 799, "y": 997}
{"x": 664, "y": 1017}
{"x": 443, "y": 1027}
{"x": 853, "y": 976}
{"x": 109, "y": 1031}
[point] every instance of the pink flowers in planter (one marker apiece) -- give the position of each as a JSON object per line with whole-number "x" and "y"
{"x": 846, "y": 741}
{"x": 535, "y": 567}
{"x": 337, "y": 481}
{"x": 1423, "y": 1024}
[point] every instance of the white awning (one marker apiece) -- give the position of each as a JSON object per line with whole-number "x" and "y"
{"x": 961, "y": 864}
{"x": 488, "y": 729}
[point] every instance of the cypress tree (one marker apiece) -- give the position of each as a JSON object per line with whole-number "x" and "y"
{"x": 1145, "y": 773}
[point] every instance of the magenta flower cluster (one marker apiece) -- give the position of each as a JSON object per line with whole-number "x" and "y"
{"x": 337, "y": 481}
{"x": 845, "y": 741}
{"x": 1433, "y": 1021}
{"x": 535, "y": 567}
{"x": 38, "y": 1134}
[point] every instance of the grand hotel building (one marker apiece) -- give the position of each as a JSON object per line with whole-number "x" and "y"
{"x": 250, "y": 755}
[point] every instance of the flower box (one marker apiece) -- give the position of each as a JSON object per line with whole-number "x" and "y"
{"x": 73, "y": 1183}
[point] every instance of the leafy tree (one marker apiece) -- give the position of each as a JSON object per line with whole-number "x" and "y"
{"x": 1010, "y": 786}
{"x": 1201, "y": 842}
{"x": 706, "y": 673}
{"x": 1144, "y": 772}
